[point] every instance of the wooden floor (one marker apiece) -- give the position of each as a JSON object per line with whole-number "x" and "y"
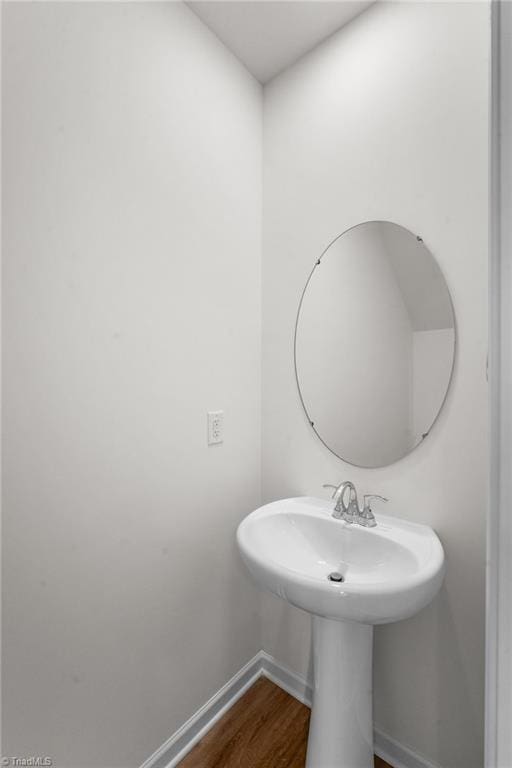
{"x": 266, "y": 728}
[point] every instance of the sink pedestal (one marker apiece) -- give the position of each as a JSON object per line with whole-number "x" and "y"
{"x": 341, "y": 727}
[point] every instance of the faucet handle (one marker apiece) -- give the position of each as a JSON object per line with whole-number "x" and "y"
{"x": 328, "y": 485}
{"x": 366, "y": 517}
{"x": 366, "y": 504}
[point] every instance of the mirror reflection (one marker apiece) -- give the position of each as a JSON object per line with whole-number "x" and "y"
{"x": 374, "y": 344}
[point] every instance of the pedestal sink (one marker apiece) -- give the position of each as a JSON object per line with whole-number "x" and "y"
{"x": 292, "y": 547}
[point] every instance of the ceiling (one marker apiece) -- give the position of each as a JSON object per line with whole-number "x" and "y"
{"x": 269, "y": 35}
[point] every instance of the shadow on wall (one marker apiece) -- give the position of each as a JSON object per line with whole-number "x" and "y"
{"x": 437, "y": 677}
{"x": 450, "y": 674}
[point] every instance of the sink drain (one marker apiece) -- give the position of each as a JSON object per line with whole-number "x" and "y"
{"x": 335, "y": 576}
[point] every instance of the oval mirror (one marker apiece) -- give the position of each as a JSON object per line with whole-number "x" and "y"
{"x": 374, "y": 344}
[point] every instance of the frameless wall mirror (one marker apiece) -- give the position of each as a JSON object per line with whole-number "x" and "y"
{"x": 374, "y": 344}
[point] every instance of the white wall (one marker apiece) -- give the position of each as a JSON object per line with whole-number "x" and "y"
{"x": 131, "y": 180}
{"x": 389, "y": 120}
{"x": 132, "y": 220}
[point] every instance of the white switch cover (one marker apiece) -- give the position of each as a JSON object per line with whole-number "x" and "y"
{"x": 215, "y": 427}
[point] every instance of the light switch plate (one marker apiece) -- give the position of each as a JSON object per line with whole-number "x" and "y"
{"x": 215, "y": 427}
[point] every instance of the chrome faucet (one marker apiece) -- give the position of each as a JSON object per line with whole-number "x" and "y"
{"x": 350, "y": 512}
{"x": 342, "y": 511}
{"x": 367, "y": 518}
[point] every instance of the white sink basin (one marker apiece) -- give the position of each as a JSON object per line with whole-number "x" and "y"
{"x": 389, "y": 573}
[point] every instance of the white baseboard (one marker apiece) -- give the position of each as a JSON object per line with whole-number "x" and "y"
{"x": 186, "y": 737}
{"x": 396, "y": 754}
{"x": 180, "y": 743}
{"x": 289, "y": 681}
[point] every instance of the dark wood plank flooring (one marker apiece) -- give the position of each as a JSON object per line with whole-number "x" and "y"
{"x": 266, "y": 728}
